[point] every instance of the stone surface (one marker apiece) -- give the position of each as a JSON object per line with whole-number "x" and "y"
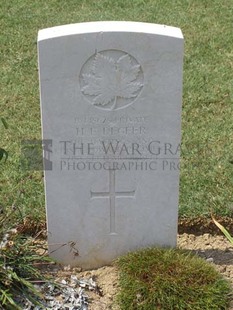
{"x": 111, "y": 113}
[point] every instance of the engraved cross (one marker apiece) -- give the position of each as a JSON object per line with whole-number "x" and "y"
{"x": 112, "y": 195}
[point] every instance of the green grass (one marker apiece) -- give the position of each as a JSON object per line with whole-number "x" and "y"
{"x": 206, "y": 174}
{"x": 19, "y": 261}
{"x": 170, "y": 279}
{"x": 167, "y": 279}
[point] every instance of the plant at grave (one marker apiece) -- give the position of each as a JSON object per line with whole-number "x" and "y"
{"x": 159, "y": 278}
{"x": 3, "y": 152}
{"x": 223, "y": 229}
{"x": 19, "y": 261}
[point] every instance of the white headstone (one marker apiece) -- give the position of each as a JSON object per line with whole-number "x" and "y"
{"x": 111, "y": 110}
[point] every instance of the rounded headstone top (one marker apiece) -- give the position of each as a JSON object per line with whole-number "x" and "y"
{"x": 109, "y": 26}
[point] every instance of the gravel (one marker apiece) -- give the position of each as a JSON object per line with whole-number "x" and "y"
{"x": 63, "y": 295}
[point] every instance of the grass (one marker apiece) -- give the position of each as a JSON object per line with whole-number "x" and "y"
{"x": 207, "y": 139}
{"x": 170, "y": 279}
{"x": 19, "y": 261}
{"x": 206, "y": 173}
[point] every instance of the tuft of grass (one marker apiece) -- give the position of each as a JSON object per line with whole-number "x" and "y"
{"x": 19, "y": 261}
{"x": 18, "y": 258}
{"x": 159, "y": 278}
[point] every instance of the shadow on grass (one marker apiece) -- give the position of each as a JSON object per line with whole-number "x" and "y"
{"x": 220, "y": 257}
{"x": 202, "y": 225}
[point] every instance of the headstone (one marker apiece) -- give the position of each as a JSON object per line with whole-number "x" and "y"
{"x": 111, "y": 113}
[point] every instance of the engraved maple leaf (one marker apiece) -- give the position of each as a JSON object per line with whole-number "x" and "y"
{"x": 110, "y": 79}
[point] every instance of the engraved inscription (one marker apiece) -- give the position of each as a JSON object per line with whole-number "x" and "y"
{"x": 111, "y": 79}
{"x": 112, "y": 195}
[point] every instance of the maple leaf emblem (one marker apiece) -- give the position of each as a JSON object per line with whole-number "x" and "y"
{"x": 110, "y": 79}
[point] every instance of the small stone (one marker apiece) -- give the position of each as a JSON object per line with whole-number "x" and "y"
{"x": 77, "y": 269}
{"x": 192, "y": 237}
{"x": 49, "y": 298}
{"x": 210, "y": 260}
{"x": 222, "y": 268}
